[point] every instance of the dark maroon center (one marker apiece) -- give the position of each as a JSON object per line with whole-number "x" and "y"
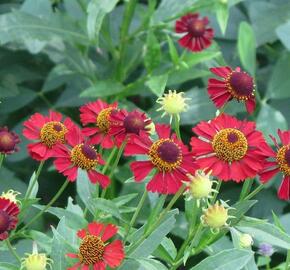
{"x": 169, "y": 152}
{"x": 242, "y": 83}
{"x": 57, "y": 127}
{"x": 89, "y": 152}
{"x": 287, "y": 157}
{"x": 197, "y": 28}
{"x": 7, "y": 141}
{"x": 232, "y": 138}
{"x": 133, "y": 123}
{"x": 4, "y": 221}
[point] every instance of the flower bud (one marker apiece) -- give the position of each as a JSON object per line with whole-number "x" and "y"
{"x": 8, "y": 141}
{"x": 10, "y": 195}
{"x": 215, "y": 216}
{"x": 266, "y": 249}
{"x": 200, "y": 185}
{"x": 246, "y": 240}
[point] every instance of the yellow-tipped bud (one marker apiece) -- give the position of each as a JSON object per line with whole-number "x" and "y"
{"x": 200, "y": 185}
{"x": 10, "y": 195}
{"x": 173, "y": 103}
{"x": 246, "y": 240}
{"x": 215, "y": 216}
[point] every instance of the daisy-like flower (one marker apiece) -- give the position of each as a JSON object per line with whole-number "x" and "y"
{"x": 173, "y": 104}
{"x": 8, "y": 217}
{"x": 8, "y": 141}
{"x": 47, "y": 131}
{"x": 234, "y": 84}
{"x": 11, "y": 195}
{"x": 169, "y": 157}
{"x": 229, "y": 148}
{"x": 95, "y": 249}
{"x": 197, "y": 35}
{"x": 279, "y": 161}
{"x": 79, "y": 155}
{"x": 98, "y": 113}
{"x": 124, "y": 124}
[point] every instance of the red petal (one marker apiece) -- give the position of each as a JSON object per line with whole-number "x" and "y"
{"x": 82, "y": 233}
{"x": 109, "y": 231}
{"x": 95, "y": 228}
{"x": 265, "y": 176}
{"x": 250, "y": 105}
{"x": 96, "y": 177}
{"x": 114, "y": 254}
{"x": 141, "y": 169}
{"x": 221, "y": 71}
{"x": 284, "y": 190}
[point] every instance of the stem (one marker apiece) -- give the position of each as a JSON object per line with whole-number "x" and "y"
{"x": 119, "y": 154}
{"x": 256, "y": 191}
{"x": 176, "y": 126}
{"x": 109, "y": 160}
{"x": 287, "y": 266}
{"x": 246, "y": 188}
{"x": 139, "y": 207}
{"x": 52, "y": 201}
{"x": 12, "y": 250}
{"x": 268, "y": 267}
{"x": 216, "y": 193}
{"x": 2, "y": 156}
{"x": 30, "y": 188}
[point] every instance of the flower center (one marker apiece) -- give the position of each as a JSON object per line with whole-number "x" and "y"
{"x": 240, "y": 85}
{"x": 134, "y": 123}
{"x": 7, "y": 141}
{"x": 53, "y": 132}
{"x": 103, "y": 119}
{"x": 197, "y": 28}
{"x": 230, "y": 145}
{"x": 4, "y": 221}
{"x": 91, "y": 250}
{"x": 165, "y": 154}
{"x": 283, "y": 159}
{"x": 84, "y": 156}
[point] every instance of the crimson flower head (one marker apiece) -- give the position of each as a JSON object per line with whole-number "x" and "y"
{"x": 95, "y": 249}
{"x": 125, "y": 123}
{"x": 279, "y": 161}
{"x": 8, "y": 217}
{"x": 78, "y": 154}
{"x": 46, "y": 131}
{"x": 234, "y": 84}
{"x": 229, "y": 148}
{"x": 8, "y": 141}
{"x": 98, "y": 114}
{"x": 168, "y": 156}
{"x": 197, "y": 35}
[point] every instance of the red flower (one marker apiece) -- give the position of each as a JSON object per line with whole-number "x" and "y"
{"x": 95, "y": 251}
{"x": 8, "y": 141}
{"x": 228, "y": 147}
{"x": 280, "y": 162}
{"x": 234, "y": 84}
{"x": 47, "y": 131}
{"x": 98, "y": 113}
{"x": 8, "y": 217}
{"x": 198, "y": 36}
{"x": 80, "y": 155}
{"x": 125, "y": 123}
{"x": 168, "y": 155}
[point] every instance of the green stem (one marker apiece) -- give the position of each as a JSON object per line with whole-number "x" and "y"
{"x": 176, "y": 126}
{"x": 2, "y": 156}
{"x": 108, "y": 162}
{"x": 287, "y": 266}
{"x": 30, "y": 188}
{"x": 246, "y": 188}
{"x": 268, "y": 267}
{"x": 52, "y": 201}
{"x": 12, "y": 250}
{"x": 133, "y": 220}
{"x": 218, "y": 187}
{"x": 255, "y": 192}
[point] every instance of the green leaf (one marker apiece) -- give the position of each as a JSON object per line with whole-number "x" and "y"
{"x": 35, "y": 187}
{"x": 172, "y": 51}
{"x": 278, "y": 86}
{"x": 152, "y": 56}
{"x": 42, "y": 240}
{"x": 97, "y": 9}
{"x": 151, "y": 264}
{"x": 241, "y": 208}
{"x": 283, "y": 32}
{"x": 157, "y": 84}
{"x": 192, "y": 59}
{"x": 222, "y": 11}
{"x": 122, "y": 200}
{"x": 247, "y": 47}
{"x": 166, "y": 251}
{"x": 103, "y": 89}
{"x": 183, "y": 75}
{"x": 264, "y": 232}
{"x": 84, "y": 187}
{"x": 225, "y": 260}
{"x": 277, "y": 222}
{"x": 8, "y": 266}
{"x": 277, "y": 121}
{"x": 106, "y": 206}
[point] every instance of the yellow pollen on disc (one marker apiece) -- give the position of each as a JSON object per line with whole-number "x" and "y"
{"x": 80, "y": 160}
{"x": 282, "y": 162}
{"x": 53, "y": 132}
{"x": 230, "y": 145}
{"x": 91, "y": 250}
{"x": 103, "y": 119}
{"x": 160, "y": 163}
